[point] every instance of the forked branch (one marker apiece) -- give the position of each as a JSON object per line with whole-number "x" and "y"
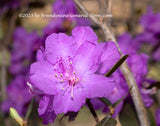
{"x": 104, "y": 24}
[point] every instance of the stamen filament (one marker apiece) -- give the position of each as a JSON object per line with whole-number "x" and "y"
{"x": 72, "y": 92}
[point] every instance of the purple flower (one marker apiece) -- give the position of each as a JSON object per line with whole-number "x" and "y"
{"x": 24, "y": 45}
{"x": 64, "y": 7}
{"x": 151, "y": 21}
{"x": 137, "y": 64}
{"x": 127, "y": 44}
{"x": 118, "y": 92}
{"x": 139, "y": 68}
{"x": 66, "y": 69}
{"x": 107, "y": 60}
{"x": 64, "y": 24}
{"x": 157, "y": 115}
{"x": 145, "y": 37}
{"x": 17, "y": 95}
{"x": 151, "y": 34}
{"x": 46, "y": 110}
{"x": 68, "y": 7}
{"x": 156, "y": 54}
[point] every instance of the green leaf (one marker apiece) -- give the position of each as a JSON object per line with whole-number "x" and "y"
{"x": 71, "y": 116}
{"x": 107, "y": 121}
{"x": 106, "y": 102}
{"x": 14, "y": 114}
{"x": 116, "y": 66}
{"x": 29, "y": 109}
{"x": 91, "y": 108}
{"x": 119, "y": 101}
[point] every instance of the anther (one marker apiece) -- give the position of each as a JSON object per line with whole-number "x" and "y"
{"x": 55, "y": 75}
{"x": 61, "y": 81}
{"x": 61, "y": 75}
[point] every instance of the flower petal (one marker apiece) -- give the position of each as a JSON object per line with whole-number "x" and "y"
{"x": 40, "y": 54}
{"x": 45, "y": 109}
{"x": 82, "y": 34}
{"x": 42, "y": 76}
{"x": 109, "y": 57}
{"x": 63, "y": 102}
{"x": 97, "y": 85}
{"x": 87, "y": 58}
{"x": 43, "y": 104}
{"x": 139, "y": 70}
{"x": 58, "y": 45}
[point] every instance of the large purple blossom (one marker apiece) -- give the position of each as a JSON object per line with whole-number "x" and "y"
{"x": 17, "y": 95}
{"x": 64, "y": 24}
{"x": 24, "y": 45}
{"x": 66, "y": 70}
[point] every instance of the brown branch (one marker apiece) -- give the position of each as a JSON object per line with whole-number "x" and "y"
{"x": 140, "y": 108}
{"x": 102, "y": 7}
{"x": 3, "y": 74}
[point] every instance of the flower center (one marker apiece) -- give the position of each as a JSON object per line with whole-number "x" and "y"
{"x": 65, "y": 74}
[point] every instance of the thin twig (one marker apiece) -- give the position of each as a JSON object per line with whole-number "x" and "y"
{"x": 140, "y": 108}
{"x": 92, "y": 110}
{"x": 109, "y": 6}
